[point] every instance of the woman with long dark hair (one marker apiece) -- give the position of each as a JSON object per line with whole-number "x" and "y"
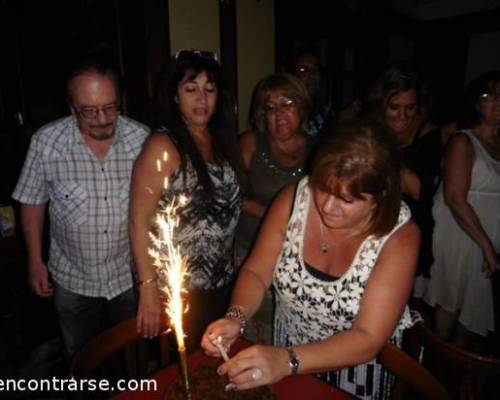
{"x": 203, "y": 164}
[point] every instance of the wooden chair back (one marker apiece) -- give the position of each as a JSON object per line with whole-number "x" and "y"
{"x": 412, "y": 375}
{"x": 121, "y": 353}
{"x": 466, "y": 375}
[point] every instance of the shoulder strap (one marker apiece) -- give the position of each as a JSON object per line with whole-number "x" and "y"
{"x": 403, "y": 218}
{"x": 298, "y": 195}
{"x": 293, "y": 199}
{"x": 419, "y": 131}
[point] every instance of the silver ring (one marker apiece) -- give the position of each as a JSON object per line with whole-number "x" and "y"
{"x": 256, "y": 374}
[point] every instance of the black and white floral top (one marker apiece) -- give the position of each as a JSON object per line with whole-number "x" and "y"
{"x": 309, "y": 309}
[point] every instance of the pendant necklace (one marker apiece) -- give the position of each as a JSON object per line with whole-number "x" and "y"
{"x": 324, "y": 246}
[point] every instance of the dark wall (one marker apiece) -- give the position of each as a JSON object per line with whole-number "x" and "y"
{"x": 356, "y": 45}
{"x": 443, "y": 54}
{"x": 41, "y": 39}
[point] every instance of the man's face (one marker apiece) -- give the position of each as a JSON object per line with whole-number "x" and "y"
{"x": 95, "y": 105}
{"x": 307, "y": 69}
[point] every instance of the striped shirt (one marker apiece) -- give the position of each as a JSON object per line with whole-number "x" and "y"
{"x": 88, "y": 204}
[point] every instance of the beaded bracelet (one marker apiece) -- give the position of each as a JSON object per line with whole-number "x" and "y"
{"x": 237, "y": 312}
{"x": 146, "y": 281}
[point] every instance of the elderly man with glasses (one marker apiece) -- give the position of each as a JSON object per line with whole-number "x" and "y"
{"x": 80, "y": 166}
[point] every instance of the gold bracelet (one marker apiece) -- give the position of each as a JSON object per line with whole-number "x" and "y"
{"x": 146, "y": 281}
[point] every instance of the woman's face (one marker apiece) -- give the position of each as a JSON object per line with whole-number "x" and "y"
{"x": 344, "y": 211}
{"x": 283, "y": 116}
{"x": 489, "y": 106}
{"x": 400, "y": 113}
{"x": 197, "y": 99}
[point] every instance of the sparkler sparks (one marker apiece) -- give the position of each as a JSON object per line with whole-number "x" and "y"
{"x": 171, "y": 267}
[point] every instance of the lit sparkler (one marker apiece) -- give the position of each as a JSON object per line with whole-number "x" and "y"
{"x": 171, "y": 269}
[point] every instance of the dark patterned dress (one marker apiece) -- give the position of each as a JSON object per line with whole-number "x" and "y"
{"x": 206, "y": 226}
{"x": 309, "y": 309}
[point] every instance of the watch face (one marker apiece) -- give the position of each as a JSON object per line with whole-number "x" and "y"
{"x": 293, "y": 360}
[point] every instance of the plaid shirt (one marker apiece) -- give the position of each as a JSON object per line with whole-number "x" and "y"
{"x": 88, "y": 204}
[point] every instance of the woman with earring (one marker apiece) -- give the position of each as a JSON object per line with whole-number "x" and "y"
{"x": 203, "y": 164}
{"x": 340, "y": 250}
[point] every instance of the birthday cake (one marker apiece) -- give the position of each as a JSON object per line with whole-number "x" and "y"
{"x": 206, "y": 384}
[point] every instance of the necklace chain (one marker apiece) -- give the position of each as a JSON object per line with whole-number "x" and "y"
{"x": 324, "y": 246}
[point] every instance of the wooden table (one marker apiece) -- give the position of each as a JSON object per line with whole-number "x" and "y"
{"x": 290, "y": 388}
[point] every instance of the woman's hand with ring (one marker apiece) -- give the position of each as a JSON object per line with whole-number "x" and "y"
{"x": 256, "y": 373}
{"x": 255, "y": 366}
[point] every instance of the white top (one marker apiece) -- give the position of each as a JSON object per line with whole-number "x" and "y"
{"x": 458, "y": 283}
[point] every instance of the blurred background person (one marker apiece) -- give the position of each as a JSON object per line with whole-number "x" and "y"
{"x": 340, "y": 250}
{"x": 467, "y": 212}
{"x": 307, "y": 67}
{"x": 274, "y": 155}
{"x": 399, "y": 100}
{"x": 204, "y": 165}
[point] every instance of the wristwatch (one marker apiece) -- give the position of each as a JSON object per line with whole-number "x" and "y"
{"x": 293, "y": 360}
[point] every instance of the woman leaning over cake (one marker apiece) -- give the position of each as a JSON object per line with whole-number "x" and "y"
{"x": 203, "y": 165}
{"x": 340, "y": 250}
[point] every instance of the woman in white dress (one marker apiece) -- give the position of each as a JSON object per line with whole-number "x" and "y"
{"x": 466, "y": 209}
{"x": 340, "y": 250}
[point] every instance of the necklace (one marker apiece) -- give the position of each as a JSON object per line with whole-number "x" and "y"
{"x": 324, "y": 246}
{"x": 279, "y": 171}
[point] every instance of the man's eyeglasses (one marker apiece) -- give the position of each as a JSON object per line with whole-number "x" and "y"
{"x": 285, "y": 105}
{"x": 110, "y": 110}
{"x": 490, "y": 96}
{"x": 210, "y": 55}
